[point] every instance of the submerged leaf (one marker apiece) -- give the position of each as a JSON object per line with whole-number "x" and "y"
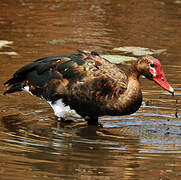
{"x": 116, "y": 59}
{"x": 139, "y": 51}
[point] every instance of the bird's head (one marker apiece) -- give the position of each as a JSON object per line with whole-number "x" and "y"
{"x": 151, "y": 68}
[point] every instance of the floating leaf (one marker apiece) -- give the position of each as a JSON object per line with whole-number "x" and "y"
{"x": 139, "y": 51}
{"x": 4, "y": 43}
{"x": 177, "y": 2}
{"x": 116, "y": 59}
{"x": 159, "y": 51}
{"x": 9, "y": 53}
{"x": 54, "y": 42}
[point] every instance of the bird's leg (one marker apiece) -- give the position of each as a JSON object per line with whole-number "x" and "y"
{"x": 60, "y": 119}
{"x": 92, "y": 120}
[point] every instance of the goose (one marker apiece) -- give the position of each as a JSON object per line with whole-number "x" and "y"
{"x": 86, "y": 84}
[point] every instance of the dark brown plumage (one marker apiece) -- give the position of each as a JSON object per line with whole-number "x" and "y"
{"x": 87, "y": 84}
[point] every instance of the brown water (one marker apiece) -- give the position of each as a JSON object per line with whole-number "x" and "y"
{"x": 144, "y": 145}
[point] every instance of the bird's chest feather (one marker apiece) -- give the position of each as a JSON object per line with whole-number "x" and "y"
{"x": 131, "y": 100}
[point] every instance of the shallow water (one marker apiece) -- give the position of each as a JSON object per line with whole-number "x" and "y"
{"x": 144, "y": 145}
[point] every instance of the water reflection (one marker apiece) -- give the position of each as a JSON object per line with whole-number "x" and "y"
{"x": 78, "y": 150}
{"x": 71, "y": 151}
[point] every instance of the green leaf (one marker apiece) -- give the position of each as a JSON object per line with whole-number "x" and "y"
{"x": 116, "y": 59}
{"x": 139, "y": 51}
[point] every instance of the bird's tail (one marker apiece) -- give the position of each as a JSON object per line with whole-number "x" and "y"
{"x": 14, "y": 85}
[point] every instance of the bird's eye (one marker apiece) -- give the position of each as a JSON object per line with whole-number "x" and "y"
{"x": 152, "y": 65}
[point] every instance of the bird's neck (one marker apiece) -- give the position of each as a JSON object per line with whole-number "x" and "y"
{"x": 133, "y": 88}
{"x": 132, "y": 97}
{"x": 133, "y": 72}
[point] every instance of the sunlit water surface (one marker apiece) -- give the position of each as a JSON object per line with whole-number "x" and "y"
{"x": 144, "y": 145}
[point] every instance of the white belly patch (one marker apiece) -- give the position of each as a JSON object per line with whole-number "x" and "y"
{"x": 27, "y": 89}
{"x": 61, "y": 110}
